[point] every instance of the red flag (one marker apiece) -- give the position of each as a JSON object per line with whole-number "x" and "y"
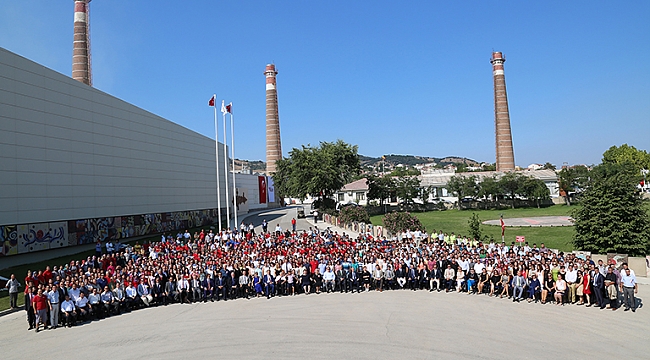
{"x": 503, "y": 227}
{"x": 229, "y": 108}
{"x": 262, "y": 188}
{"x": 212, "y": 99}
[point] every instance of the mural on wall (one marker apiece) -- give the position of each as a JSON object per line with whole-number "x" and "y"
{"x": 25, "y": 238}
{"x": 242, "y": 201}
{"x": 41, "y": 236}
{"x": 8, "y": 240}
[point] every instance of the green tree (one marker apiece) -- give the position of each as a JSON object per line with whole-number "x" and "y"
{"x": 317, "y": 171}
{"x": 573, "y": 179}
{"x": 379, "y": 188}
{"x": 512, "y": 184}
{"x": 475, "y": 227}
{"x": 407, "y": 188}
{"x": 490, "y": 188}
{"x": 426, "y": 192}
{"x": 534, "y": 189}
{"x": 625, "y": 154}
{"x": 612, "y": 217}
{"x": 548, "y": 166}
{"x": 463, "y": 186}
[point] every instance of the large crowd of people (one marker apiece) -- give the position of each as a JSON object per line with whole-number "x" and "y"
{"x": 242, "y": 264}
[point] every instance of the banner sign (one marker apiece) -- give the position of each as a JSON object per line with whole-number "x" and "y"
{"x": 262, "y": 188}
{"x": 271, "y": 189}
{"x": 521, "y": 238}
{"x": 616, "y": 259}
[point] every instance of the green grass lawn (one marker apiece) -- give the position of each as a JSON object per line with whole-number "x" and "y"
{"x": 456, "y": 221}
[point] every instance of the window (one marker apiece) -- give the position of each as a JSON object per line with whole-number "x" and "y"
{"x": 341, "y": 197}
{"x": 361, "y": 196}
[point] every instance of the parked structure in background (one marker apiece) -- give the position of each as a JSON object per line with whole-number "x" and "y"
{"x": 504, "y": 150}
{"x": 81, "y": 70}
{"x": 273, "y": 142}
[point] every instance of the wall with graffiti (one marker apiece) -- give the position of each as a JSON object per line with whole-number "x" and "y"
{"x": 26, "y": 238}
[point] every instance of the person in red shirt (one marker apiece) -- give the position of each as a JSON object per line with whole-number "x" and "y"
{"x": 39, "y": 304}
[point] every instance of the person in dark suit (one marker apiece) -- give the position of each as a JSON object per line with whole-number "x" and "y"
{"x": 233, "y": 285}
{"x": 157, "y": 292}
{"x": 599, "y": 288}
{"x": 269, "y": 284}
{"x": 341, "y": 276}
{"x": 412, "y": 278}
{"x": 208, "y": 288}
{"x": 31, "y": 317}
{"x": 171, "y": 294}
{"x": 352, "y": 280}
{"x": 221, "y": 287}
{"x": 435, "y": 278}
{"x": 422, "y": 278}
{"x": 195, "y": 288}
{"x": 400, "y": 275}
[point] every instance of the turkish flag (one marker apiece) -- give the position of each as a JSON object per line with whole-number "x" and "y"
{"x": 503, "y": 227}
{"x": 211, "y": 102}
{"x": 262, "y": 188}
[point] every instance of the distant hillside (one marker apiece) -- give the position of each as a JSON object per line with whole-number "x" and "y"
{"x": 392, "y": 160}
{"x": 411, "y": 160}
{"x": 254, "y": 165}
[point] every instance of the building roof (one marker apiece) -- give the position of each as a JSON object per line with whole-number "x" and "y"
{"x": 356, "y": 185}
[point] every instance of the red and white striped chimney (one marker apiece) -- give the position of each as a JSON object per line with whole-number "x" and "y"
{"x": 81, "y": 44}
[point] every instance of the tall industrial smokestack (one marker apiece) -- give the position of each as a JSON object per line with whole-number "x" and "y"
{"x": 505, "y": 152}
{"x": 81, "y": 45}
{"x": 273, "y": 143}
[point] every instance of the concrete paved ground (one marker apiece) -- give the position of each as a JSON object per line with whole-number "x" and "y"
{"x": 534, "y": 221}
{"x": 392, "y": 324}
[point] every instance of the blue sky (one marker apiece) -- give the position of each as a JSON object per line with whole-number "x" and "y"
{"x": 407, "y": 77}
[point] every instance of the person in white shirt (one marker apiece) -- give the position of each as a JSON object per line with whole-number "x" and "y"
{"x": 69, "y": 311}
{"x": 629, "y": 287}
{"x": 571, "y": 278}
{"x": 82, "y": 306}
{"x": 53, "y": 300}
{"x": 74, "y": 292}
{"x": 131, "y": 296}
{"x": 94, "y": 299}
{"x": 108, "y": 302}
{"x": 329, "y": 277}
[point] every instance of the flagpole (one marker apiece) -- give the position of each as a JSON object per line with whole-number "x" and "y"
{"x": 232, "y": 151}
{"x": 225, "y": 163}
{"x": 216, "y": 156}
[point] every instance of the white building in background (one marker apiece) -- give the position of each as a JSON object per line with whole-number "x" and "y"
{"x": 357, "y": 191}
{"x": 354, "y": 192}
{"x": 439, "y": 180}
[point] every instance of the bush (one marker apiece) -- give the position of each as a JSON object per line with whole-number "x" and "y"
{"x": 397, "y": 222}
{"x": 350, "y": 214}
